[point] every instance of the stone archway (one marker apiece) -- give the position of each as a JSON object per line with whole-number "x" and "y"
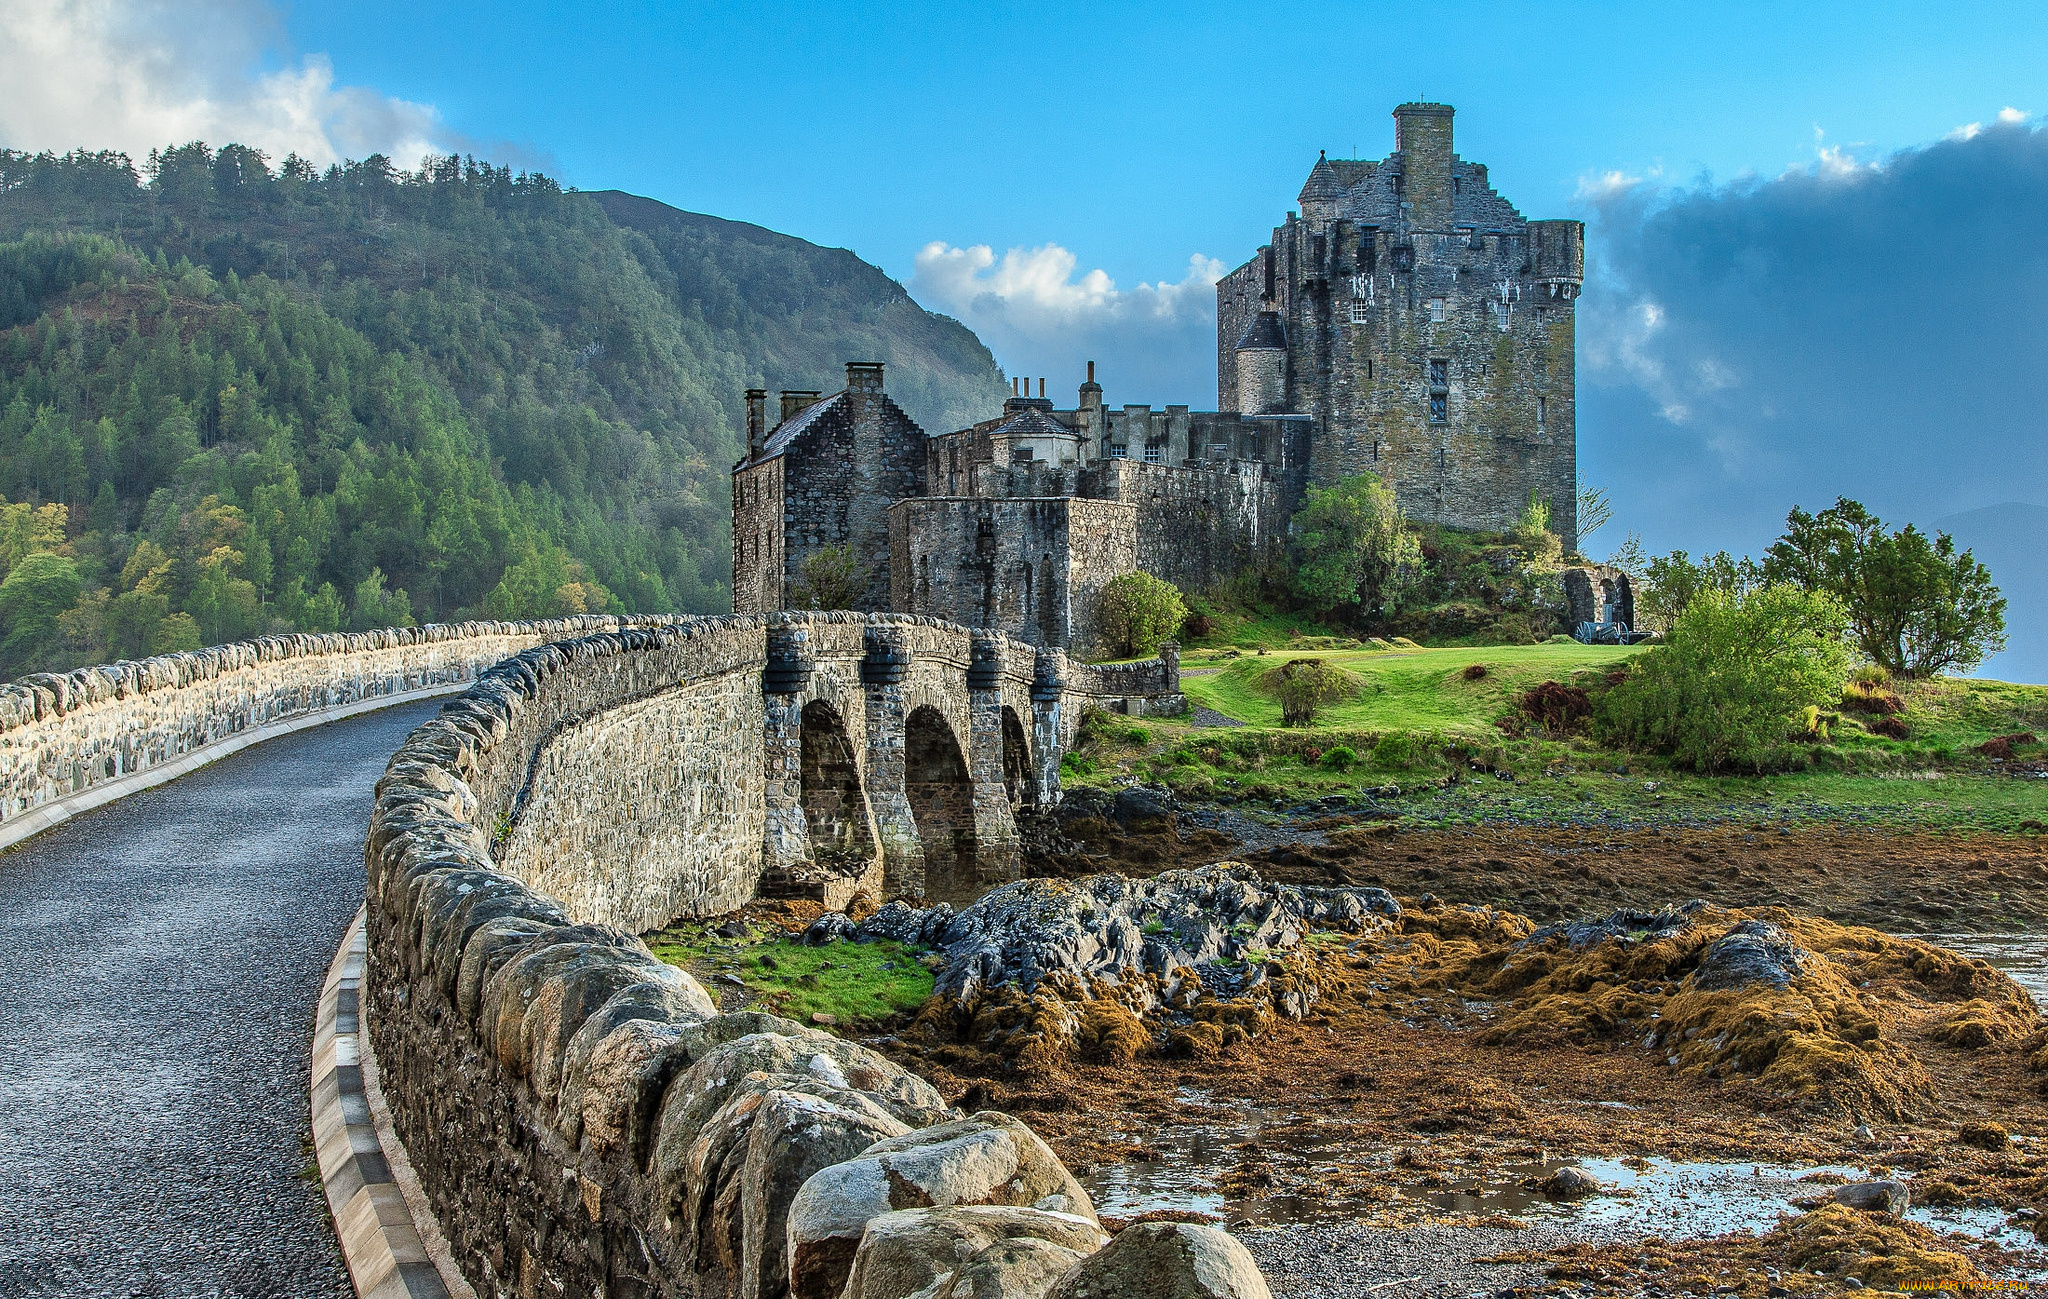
{"x": 1018, "y": 781}
{"x": 941, "y": 795}
{"x": 835, "y": 808}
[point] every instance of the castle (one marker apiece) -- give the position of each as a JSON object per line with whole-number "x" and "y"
{"x": 1406, "y": 322}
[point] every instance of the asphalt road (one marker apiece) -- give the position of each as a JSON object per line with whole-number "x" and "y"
{"x": 160, "y": 960}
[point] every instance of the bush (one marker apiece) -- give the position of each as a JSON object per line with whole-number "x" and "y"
{"x": 1393, "y": 753}
{"x": 832, "y": 578}
{"x": 1139, "y": 612}
{"x": 1340, "y": 758}
{"x": 1352, "y": 547}
{"x": 1303, "y": 686}
{"x": 1734, "y": 673}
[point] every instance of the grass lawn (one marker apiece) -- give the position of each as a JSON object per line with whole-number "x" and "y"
{"x": 1416, "y": 721}
{"x": 848, "y": 981}
{"x": 1403, "y": 689}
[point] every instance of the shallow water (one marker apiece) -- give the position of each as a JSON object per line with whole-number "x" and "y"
{"x": 1664, "y": 1197}
{"x": 2024, "y": 957}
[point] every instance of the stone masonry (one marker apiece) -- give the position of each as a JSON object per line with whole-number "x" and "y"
{"x": 1423, "y": 325}
{"x": 1408, "y": 322}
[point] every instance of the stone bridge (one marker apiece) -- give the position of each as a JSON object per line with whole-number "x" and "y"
{"x": 817, "y": 754}
{"x": 668, "y": 766}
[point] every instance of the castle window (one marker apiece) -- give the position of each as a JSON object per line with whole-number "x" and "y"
{"x": 1154, "y": 454}
{"x": 1439, "y": 391}
{"x": 1539, "y": 417}
{"x": 1357, "y": 312}
{"x": 1118, "y": 451}
{"x": 1439, "y": 407}
{"x": 1436, "y": 310}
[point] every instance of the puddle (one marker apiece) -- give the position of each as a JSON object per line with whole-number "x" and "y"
{"x": 1654, "y": 1196}
{"x": 2022, "y": 956}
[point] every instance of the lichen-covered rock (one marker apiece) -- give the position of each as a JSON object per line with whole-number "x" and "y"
{"x": 987, "y": 1159}
{"x": 959, "y": 1251}
{"x": 1113, "y": 927}
{"x": 1884, "y": 1195}
{"x": 1165, "y": 1260}
{"x": 1751, "y": 952}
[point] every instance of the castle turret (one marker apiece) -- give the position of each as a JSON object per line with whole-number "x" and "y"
{"x": 1262, "y": 366}
{"x": 1422, "y": 135}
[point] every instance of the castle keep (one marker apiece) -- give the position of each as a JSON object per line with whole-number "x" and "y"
{"x": 1424, "y": 327}
{"x": 1407, "y": 322}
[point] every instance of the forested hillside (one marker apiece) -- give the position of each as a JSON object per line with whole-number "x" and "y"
{"x": 236, "y": 399}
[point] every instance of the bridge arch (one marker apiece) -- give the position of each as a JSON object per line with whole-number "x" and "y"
{"x": 834, "y": 799}
{"x": 1020, "y": 780}
{"x": 940, "y": 790}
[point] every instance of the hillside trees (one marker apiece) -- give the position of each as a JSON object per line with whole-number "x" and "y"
{"x": 1916, "y": 605}
{"x": 273, "y": 383}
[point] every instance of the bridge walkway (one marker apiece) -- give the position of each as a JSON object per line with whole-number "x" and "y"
{"x": 160, "y": 959}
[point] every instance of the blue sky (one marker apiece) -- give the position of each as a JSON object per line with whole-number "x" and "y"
{"x": 1816, "y": 262}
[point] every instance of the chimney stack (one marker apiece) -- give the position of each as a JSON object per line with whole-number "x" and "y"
{"x": 1041, "y": 387}
{"x": 794, "y": 401}
{"x": 757, "y": 421}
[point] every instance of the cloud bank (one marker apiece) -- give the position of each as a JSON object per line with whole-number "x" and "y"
{"x": 1153, "y": 343}
{"x": 1872, "y": 329}
{"x": 135, "y": 75}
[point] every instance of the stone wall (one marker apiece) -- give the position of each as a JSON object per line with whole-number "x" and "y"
{"x": 582, "y": 1121}
{"x": 63, "y": 735}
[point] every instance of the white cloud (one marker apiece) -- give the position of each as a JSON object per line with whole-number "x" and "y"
{"x": 2011, "y": 116}
{"x": 1041, "y": 314}
{"x": 1606, "y": 185}
{"x": 141, "y": 74}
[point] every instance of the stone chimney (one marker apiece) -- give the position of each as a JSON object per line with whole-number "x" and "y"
{"x": 864, "y": 376}
{"x": 795, "y": 400}
{"x": 757, "y": 421}
{"x": 1422, "y": 134}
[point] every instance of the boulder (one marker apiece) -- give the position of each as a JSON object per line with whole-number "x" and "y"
{"x": 958, "y": 1251}
{"x": 1012, "y": 1269}
{"x": 1572, "y": 1184}
{"x": 988, "y": 1159}
{"x": 832, "y": 927}
{"x": 1165, "y": 1260}
{"x": 1882, "y": 1196}
{"x": 1754, "y": 951}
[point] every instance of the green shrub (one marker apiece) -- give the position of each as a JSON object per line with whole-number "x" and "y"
{"x": 1339, "y": 758}
{"x": 1303, "y": 686}
{"x": 1393, "y": 753}
{"x": 1139, "y": 612}
{"x": 1137, "y": 735}
{"x": 1735, "y": 671}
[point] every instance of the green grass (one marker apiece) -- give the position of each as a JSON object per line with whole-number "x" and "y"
{"x": 848, "y": 981}
{"x": 1403, "y": 690}
{"x": 1417, "y": 722}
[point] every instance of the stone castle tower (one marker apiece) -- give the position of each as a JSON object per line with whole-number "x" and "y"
{"x": 1425, "y": 328}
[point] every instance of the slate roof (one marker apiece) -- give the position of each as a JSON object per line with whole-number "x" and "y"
{"x": 1263, "y": 331}
{"x": 1031, "y": 423}
{"x": 793, "y": 428}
